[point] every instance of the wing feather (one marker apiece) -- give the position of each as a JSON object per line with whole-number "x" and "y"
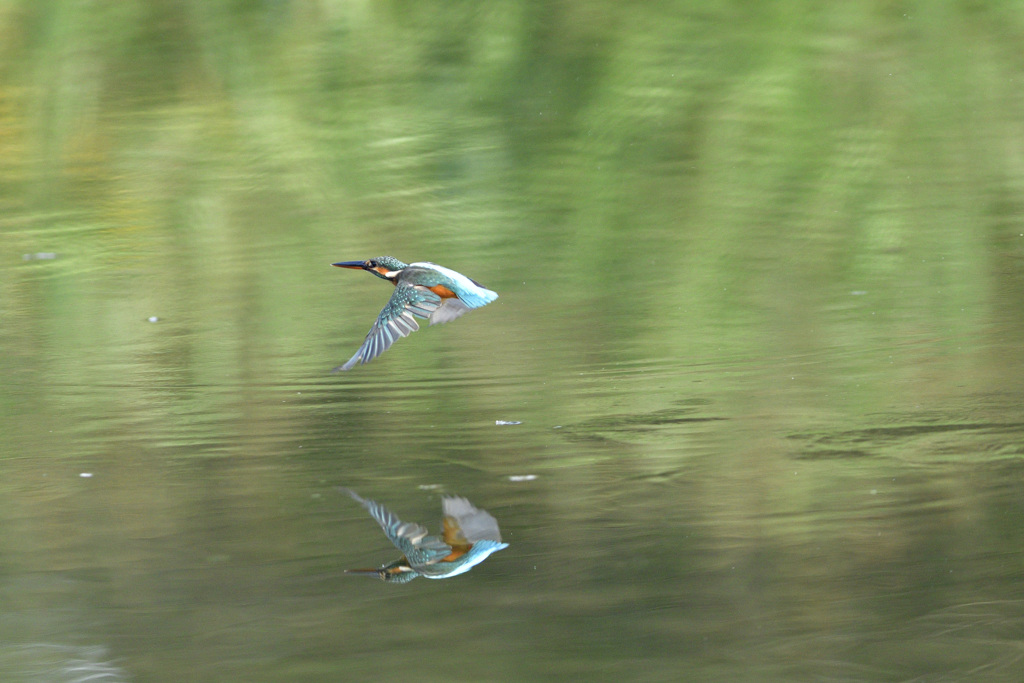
{"x": 411, "y": 538}
{"x": 465, "y": 523}
{"x": 396, "y": 320}
{"x": 449, "y": 310}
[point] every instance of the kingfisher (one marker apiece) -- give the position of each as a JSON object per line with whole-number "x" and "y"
{"x": 422, "y": 290}
{"x": 469, "y": 536}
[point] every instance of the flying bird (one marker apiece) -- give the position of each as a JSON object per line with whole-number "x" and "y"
{"x": 469, "y": 536}
{"x": 422, "y": 290}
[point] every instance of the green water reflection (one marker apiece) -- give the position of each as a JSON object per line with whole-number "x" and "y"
{"x": 760, "y": 268}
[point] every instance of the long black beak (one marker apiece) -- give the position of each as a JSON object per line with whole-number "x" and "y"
{"x": 375, "y": 573}
{"x": 358, "y": 265}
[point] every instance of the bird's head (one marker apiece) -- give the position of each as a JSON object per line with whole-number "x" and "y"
{"x": 396, "y": 572}
{"x": 386, "y": 267}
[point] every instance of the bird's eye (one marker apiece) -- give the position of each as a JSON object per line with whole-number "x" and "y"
{"x": 371, "y": 264}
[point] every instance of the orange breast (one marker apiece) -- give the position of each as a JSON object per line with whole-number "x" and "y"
{"x": 442, "y": 291}
{"x": 455, "y": 554}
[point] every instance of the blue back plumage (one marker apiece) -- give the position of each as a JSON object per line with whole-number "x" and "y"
{"x": 479, "y": 552}
{"x": 469, "y": 291}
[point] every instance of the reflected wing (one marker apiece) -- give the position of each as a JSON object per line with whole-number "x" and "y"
{"x": 465, "y": 525}
{"x": 397, "y": 320}
{"x": 409, "y": 537}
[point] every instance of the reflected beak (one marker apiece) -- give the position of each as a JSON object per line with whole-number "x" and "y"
{"x": 365, "y": 572}
{"x": 358, "y": 265}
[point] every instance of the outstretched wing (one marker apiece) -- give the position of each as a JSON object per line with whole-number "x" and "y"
{"x": 409, "y": 537}
{"x": 397, "y": 320}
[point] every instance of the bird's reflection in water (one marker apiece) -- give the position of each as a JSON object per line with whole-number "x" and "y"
{"x": 469, "y": 536}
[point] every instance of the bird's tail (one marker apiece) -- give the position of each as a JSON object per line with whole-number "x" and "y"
{"x": 481, "y": 297}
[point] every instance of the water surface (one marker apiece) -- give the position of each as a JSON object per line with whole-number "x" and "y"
{"x": 759, "y": 324}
